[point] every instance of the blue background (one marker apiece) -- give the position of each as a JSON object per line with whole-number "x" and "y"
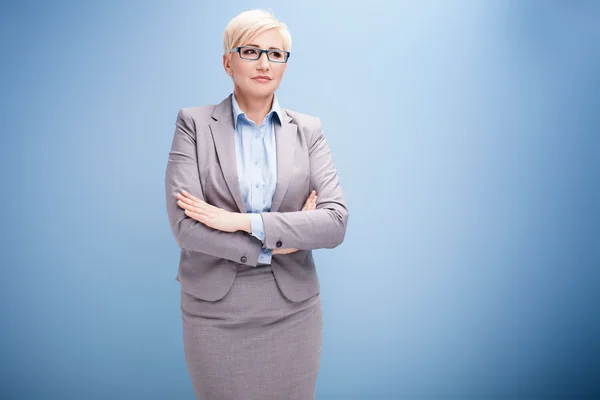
{"x": 466, "y": 137}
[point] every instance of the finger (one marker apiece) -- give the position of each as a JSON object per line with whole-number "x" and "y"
{"x": 198, "y": 217}
{"x": 184, "y": 199}
{"x": 184, "y": 205}
{"x": 310, "y": 196}
{"x": 199, "y": 204}
{"x": 310, "y": 204}
{"x": 191, "y": 207}
{"x": 307, "y": 202}
{"x": 190, "y": 196}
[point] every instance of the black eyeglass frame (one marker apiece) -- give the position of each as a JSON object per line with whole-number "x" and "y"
{"x": 260, "y": 52}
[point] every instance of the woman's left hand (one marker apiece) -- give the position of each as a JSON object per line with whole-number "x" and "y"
{"x": 209, "y": 215}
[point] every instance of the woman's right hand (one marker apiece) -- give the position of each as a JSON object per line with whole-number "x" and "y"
{"x": 310, "y": 204}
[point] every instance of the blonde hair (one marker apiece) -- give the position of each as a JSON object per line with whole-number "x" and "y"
{"x": 250, "y": 23}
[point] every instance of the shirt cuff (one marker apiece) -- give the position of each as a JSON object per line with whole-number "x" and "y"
{"x": 265, "y": 256}
{"x": 257, "y": 226}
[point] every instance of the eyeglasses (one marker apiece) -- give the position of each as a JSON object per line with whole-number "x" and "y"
{"x": 254, "y": 53}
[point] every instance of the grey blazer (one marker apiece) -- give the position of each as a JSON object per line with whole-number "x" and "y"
{"x": 202, "y": 161}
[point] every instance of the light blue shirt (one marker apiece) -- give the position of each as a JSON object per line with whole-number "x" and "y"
{"x": 256, "y": 156}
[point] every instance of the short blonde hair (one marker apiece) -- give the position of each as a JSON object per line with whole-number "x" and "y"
{"x": 250, "y": 23}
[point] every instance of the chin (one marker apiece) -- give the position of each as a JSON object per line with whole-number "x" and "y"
{"x": 266, "y": 90}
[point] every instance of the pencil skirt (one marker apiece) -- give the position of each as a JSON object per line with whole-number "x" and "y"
{"x": 253, "y": 344}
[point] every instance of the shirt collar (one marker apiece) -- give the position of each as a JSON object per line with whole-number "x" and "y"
{"x": 237, "y": 111}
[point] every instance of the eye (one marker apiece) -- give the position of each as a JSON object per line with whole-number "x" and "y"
{"x": 249, "y": 52}
{"x": 276, "y": 54}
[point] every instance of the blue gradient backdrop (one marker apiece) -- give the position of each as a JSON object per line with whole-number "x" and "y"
{"x": 466, "y": 136}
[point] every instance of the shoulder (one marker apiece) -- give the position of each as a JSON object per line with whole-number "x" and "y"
{"x": 196, "y": 113}
{"x": 308, "y": 125}
{"x": 303, "y": 120}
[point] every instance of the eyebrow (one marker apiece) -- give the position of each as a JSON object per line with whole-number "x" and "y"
{"x": 270, "y": 48}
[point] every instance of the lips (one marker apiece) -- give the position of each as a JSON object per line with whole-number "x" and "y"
{"x": 262, "y": 78}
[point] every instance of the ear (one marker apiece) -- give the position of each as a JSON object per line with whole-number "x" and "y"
{"x": 225, "y": 61}
{"x": 227, "y": 65}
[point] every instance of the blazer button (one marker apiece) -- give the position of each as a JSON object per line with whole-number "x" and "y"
{"x": 243, "y": 259}
{"x": 278, "y": 244}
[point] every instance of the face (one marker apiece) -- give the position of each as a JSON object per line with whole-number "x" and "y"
{"x": 245, "y": 72}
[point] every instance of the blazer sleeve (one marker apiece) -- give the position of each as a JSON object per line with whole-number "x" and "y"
{"x": 182, "y": 174}
{"x": 324, "y": 227}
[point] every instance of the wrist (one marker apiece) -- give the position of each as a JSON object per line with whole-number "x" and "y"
{"x": 245, "y": 224}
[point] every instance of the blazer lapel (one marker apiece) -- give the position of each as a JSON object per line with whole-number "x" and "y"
{"x": 285, "y": 139}
{"x": 224, "y": 138}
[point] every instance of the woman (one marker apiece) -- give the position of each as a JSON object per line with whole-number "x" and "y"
{"x": 251, "y": 191}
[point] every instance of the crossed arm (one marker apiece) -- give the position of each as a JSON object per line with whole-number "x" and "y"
{"x": 227, "y": 221}
{"x": 199, "y": 226}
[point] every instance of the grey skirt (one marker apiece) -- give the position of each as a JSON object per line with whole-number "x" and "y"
{"x": 253, "y": 344}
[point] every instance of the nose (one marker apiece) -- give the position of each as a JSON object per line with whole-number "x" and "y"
{"x": 263, "y": 61}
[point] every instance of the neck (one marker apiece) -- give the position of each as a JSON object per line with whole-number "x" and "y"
{"x": 256, "y": 108}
